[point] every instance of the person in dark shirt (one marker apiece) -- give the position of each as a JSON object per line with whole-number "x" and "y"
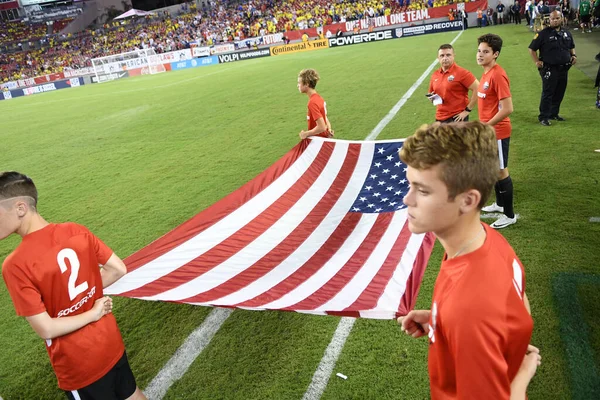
{"x": 516, "y": 9}
{"x": 500, "y": 9}
{"x": 556, "y": 55}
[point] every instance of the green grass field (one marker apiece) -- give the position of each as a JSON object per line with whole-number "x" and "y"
{"x": 134, "y": 158}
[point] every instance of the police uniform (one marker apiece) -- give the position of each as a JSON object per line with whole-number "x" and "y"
{"x": 555, "y": 51}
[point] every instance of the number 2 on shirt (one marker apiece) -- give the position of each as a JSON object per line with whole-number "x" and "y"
{"x": 69, "y": 254}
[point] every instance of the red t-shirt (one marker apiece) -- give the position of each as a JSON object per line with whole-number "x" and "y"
{"x": 479, "y": 326}
{"x": 56, "y": 269}
{"x": 317, "y": 108}
{"x": 493, "y": 87}
{"x": 453, "y": 87}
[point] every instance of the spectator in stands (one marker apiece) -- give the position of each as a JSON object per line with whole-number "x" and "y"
{"x": 318, "y": 123}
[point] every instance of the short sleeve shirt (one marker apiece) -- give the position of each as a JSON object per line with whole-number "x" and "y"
{"x": 453, "y": 87}
{"x": 479, "y": 326}
{"x": 56, "y": 270}
{"x": 317, "y": 108}
{"x": 554, "y": 46}
{"x": 493, "y": 87}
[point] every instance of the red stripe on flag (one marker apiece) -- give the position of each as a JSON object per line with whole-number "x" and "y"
{"x": 349, "y": 270}
{"x": 327, "y": 250}
{"x": 413, "y": 283}
{"x": 370, "y": 296}
{"x": 239, "y": 239}
{"x": 214, "y": 213}
{"x": 291, "y": 243}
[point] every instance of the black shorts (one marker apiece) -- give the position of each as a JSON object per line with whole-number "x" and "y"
{"x": 585, "y": 19}
{"x": 503, "y": 147}
{"x": 451, "y": 120}
{"x": 117, "y": 384}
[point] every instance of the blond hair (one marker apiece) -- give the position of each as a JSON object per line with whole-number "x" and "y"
{"x": 467, "y": 153}
{"x": 309, "y": 77}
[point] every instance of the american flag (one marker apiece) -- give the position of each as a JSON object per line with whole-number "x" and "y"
{"x": 322, "y": 231}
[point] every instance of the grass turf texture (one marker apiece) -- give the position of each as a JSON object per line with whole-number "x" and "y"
{"x": 132, "y": 159}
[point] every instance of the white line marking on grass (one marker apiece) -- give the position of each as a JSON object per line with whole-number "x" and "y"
{"x": 185, "y": 355}
{"x": 321, "y": 377}
{"x": 592, "y": 219}
{"x": 386, "y": 120}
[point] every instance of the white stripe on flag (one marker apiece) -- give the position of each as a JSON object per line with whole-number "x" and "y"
{"x": 262, "y": 245}
{"x": 314, "y": 242}
{"x": 348, "y": 295}
{"x": 392, "y": 295}
{"x": 331, "y": 268}
{"x": 215, "y": 234}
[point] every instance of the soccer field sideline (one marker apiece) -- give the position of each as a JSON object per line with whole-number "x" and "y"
{"x": 193, "y": 346}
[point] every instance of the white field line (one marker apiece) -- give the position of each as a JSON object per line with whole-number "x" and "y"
{"x": 325, "y": 368}
{"x": 592, "y": 219}
{"x": 185, "y": 355}
{"x": 200, "y": 338}
{"x": 321, "y": 377}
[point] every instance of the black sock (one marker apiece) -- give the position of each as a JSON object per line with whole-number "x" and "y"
{"x": 506, "y": 192}
{"x": 499, "y": 199}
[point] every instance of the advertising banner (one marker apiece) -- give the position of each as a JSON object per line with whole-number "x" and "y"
{"x": 78, "y": 72}
{"x": 408, "y": 17}
{"x": 196, "y": 62}
{"x": 175, "y": 56}
{"x": 243, "y": 55}
{"x": 50, "y": 87}
{"x": 222, "y": 48}
{"x": 298, "y": 47}
{"x": 48, "y": 78}
{"x": 429, "y": 28}
{"x": 200, "y": 52}
{"x": 362, "y": 38}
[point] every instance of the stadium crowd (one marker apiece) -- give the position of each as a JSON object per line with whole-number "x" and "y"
{"x": 222, "y": 21}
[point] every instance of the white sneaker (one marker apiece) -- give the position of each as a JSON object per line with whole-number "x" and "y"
{"x": 503, "y": 222}
{"x": 492, "y": 208}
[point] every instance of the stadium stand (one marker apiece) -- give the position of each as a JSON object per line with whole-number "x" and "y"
{"x": 223, "y": 21}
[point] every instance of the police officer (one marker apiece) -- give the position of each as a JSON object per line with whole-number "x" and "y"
{"x": 556, "y": 55}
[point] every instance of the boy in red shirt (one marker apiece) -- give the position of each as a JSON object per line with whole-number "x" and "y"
{"x": 452, "y": 84}
{"x": 495, "y": 105}
{"x": 55, "y": 282}
{"x": 318, "y": 123}
{"x": 479, "y": 326}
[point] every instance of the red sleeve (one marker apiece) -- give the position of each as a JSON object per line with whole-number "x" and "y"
{"x": 103, "y": 252}
{"x": 431, "y": 85}
{"x": 468, "y": 78}
{"x": 502, "y": 86}
{"x": 314, "y": 111}
{"x": 477, "y": 344}
{"x": 24, "y": 294}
